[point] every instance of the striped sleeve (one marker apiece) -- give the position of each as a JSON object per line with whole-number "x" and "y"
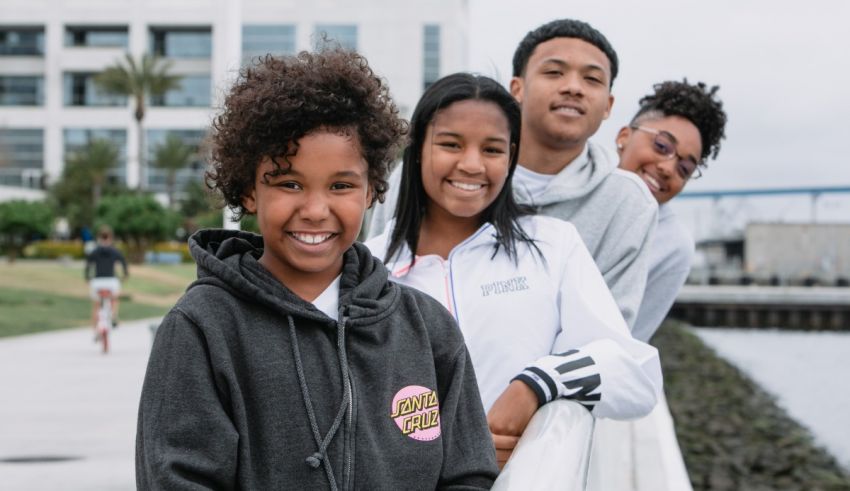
{"x": 572, "y": 375}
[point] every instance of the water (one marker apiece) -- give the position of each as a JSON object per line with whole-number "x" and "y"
{"x": 807, "y": 372}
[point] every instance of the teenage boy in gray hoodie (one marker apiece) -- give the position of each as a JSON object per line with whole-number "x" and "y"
{"x": 562, "y": 77}
{"x": 563, "y": 72}
{"x": 292, "y": 362}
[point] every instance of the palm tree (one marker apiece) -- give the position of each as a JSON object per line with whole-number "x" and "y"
{"x": 96, "y": 160}
{"x": 172, "y": 156}
{"x": 148, "y": 77}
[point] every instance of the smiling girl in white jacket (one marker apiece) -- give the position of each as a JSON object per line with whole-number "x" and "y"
{"x": 536, "y": 314}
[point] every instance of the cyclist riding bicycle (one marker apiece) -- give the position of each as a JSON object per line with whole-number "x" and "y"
{"x": 100, "y": 273}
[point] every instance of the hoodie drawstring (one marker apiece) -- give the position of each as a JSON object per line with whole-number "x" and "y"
{"x": 320, "y": 456}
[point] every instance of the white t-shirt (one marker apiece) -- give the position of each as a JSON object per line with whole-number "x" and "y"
{"x": 328, "y": 300}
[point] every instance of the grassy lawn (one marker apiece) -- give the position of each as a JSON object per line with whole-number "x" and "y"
{"x": 40, "y": 296}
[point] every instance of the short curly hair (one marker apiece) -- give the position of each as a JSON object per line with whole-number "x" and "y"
{"x": 279, "y": 100}
{"x": 694, "y": 102}
{"x": 563, "y": 28}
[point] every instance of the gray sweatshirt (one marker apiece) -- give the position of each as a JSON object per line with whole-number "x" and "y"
{"x": 250, "y": 387}
{"x": 614, "y": 213}
{"x": 612, "y": 209}
{"x": 670, "y": 263}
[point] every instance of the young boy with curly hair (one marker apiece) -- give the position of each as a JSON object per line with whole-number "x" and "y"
{"x": 292, "y": 362}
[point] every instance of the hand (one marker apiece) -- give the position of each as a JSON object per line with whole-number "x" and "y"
{"x": 504, "y": 448}
{"x": 508, "y": 418}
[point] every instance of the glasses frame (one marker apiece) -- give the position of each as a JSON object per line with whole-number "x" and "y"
{"x": 696, "y": 174}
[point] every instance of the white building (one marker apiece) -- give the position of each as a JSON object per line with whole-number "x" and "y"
{"x": 51, "y": 49}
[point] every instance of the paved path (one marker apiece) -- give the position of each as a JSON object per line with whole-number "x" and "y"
{"x": 60, "y": 397}
{"x": 807, "y": 372}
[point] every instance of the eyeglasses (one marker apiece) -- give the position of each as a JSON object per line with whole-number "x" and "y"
{"x": 664, "y": 145}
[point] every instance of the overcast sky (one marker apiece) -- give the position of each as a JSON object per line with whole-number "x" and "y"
{"x": 782, "y": 67}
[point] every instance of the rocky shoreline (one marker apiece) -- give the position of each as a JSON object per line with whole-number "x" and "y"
{"x": 732, "y": 434}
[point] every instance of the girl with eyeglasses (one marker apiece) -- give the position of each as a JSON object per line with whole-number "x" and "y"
{"x": 675, "y": 130}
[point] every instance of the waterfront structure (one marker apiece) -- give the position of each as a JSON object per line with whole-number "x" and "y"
{"x": 51, "y": 50}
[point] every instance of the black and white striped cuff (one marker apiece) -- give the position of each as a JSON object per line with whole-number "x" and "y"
{"x": 541, "y": 384}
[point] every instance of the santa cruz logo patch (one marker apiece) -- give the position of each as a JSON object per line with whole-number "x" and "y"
{"x": 416, "y": 411}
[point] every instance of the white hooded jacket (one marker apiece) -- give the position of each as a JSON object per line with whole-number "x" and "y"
{"x": 547, "y": 318}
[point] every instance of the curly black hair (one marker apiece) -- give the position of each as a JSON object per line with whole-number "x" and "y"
{"x": 694, "y": 102}
{"x": 563, "y": 28}
{"x": 279, "y": 100}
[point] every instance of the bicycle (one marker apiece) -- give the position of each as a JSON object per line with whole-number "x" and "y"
{"x": 104, "y": 317}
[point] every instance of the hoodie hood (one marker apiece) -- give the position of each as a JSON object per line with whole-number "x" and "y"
{"x": 594, "y": 164}
{"x": 230, "y": 260}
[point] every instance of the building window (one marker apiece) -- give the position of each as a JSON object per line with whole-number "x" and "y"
{"x": 193, "y": 172}
{"x": 21, "y": 91}
{"x": 181, "y": 42}
{"x": 21, "y": 157}
{"x": 345, "y": 35}
{"x": 80, "y": 90}
{"x": 77, "y": 139}
{"x": 100, "y": 36}
{"x": 21, "y": 41}
{"x": 194, "y": 91}
{"x": 430, "y": 55}
{"x": 259, "y": 41}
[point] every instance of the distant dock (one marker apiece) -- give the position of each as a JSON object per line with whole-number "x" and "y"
{"x": 786, "y": 307}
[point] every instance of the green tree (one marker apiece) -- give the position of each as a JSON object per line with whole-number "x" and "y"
{"x": 196, "y": 203}
{"x": 137, "y": 219}
{"x": 197, "y": 200}
{"x": 97, "y": 158}
{"x": 215, "y": 219}
{"x": 172, "y": 156}
{"x": 84, "y": 182}
{"x": 147, "y": 77}
{"x": 21, "y": 222}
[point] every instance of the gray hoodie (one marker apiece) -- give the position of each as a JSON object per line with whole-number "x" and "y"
{"x": 612, "y": 209}
{"x": 614, "y": 213}
{"x": 250, "y": 387}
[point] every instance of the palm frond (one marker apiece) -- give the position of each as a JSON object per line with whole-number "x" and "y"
{"x": 173, "y": 154}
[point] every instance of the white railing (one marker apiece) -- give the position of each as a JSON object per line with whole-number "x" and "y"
{"x": 565, "y": 448}
{"x": 554, "y": 451}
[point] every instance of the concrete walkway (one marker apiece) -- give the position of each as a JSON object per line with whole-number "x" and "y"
{"x": 63, "y": 399}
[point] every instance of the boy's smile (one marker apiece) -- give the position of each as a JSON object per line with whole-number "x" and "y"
{"x": 564, "y": 93}
{"x": 311, "y": 239}
{"x": 310, "y": 213}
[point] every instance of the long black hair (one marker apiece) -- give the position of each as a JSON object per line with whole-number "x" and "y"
{"x": 504, "y": 211}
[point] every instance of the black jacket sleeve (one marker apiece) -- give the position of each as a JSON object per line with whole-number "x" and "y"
{"x": 185, "y": 438}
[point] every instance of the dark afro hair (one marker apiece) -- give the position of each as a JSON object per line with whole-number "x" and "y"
{"x": 694, "y": 102}
{"x": 563, "y": 28}
{"x": 279, "y": 100}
